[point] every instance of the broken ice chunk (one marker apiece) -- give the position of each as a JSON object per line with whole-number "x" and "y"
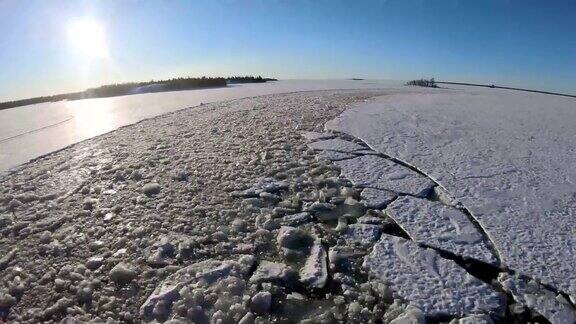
{"x": 296, "y": 219}
{"x": 363, "y": 234}
{"x": 437, "y": 286}
{"x": 375, "y": 198}
{"x": 341, "y": 258}
{"x": 314, "y": 273}
{"x": 204, "y": 273}
{"x": 274, "y": 272}
{"x": 380, "y": 173}
{"x": 440, "y": 226}
{"x": 554, "y": 308}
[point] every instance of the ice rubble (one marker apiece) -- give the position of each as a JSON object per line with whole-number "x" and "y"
{"x": 553, "y": 307}
{"x": 429, "y": 282}
{"x": 314, "y": 136}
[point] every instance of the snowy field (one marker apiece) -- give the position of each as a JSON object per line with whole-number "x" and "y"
{"x": 30, "y": 131}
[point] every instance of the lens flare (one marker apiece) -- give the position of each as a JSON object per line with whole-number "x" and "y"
{"x": 88, "y": 38}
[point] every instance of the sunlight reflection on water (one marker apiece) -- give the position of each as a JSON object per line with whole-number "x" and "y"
{"x": 34, "y": 130}
{"x": 92, "y": 118}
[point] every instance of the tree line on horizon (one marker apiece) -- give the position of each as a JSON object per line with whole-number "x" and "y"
{"x": 423, "y": 83}
{"x": 248, "y": 79}
{"x": 120, "y": 89}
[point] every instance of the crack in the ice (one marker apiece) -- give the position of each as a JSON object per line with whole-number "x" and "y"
{"x": 487, "y": 273}
{"x": 474, "y": 267}
{"x": 490, "y": 243}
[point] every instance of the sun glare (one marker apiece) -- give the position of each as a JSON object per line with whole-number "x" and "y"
{"x": 88, "y": 39}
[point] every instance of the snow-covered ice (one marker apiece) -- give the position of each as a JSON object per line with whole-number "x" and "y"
{"x": 439, "y": 226}
{"x": 375, "y": 198}
{"x": 363, "y": 234}
{"x": 376, "y": 172}
{"x": 429, "y": 282}
{"x": 507, "y": 156}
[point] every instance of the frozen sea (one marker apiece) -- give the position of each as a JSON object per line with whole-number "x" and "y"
{"x": 508, "y": 156}
{"x": 31, "y": 131}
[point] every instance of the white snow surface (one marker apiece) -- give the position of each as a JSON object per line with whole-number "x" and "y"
{"x": 440, "y": 226}
{"x": 507, "y": 156}
{"x": 429, "y": 282}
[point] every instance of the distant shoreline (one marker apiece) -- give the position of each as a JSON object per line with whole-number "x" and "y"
{"x": 130, "y": 88}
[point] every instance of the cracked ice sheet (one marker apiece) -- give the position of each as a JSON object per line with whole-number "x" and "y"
{"x": 440, "y": 226}
{"x": 380, "y": 173}
{"x": 536, "y": 297}
{"x": 435, "y": 285}
{"x": 507, "y": 156}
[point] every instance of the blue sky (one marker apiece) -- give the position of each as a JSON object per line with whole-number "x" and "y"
{"x": 521, "y": 43}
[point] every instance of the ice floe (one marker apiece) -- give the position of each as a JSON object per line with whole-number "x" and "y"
{"x": 375, "y": 198}
{"x": 437, "y": 286}
{"x": 506, "y": 156}
{"x": 440, "y": 226}
{"x": 380, "y": 173}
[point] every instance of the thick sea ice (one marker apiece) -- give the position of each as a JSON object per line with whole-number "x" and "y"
{"x": 507, "y": 156}
{"x": 440, "y": 226}
{"x": 372, "y": 171}
{"x": 435, "y": 285}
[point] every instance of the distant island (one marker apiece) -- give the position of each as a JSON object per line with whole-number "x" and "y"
{"x": 122, "y": 89}
{"x": 434, "y": 84}
{"x": 248, "y": 79}
{"x": 423, "y": 83}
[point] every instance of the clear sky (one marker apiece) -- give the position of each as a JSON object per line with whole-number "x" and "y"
{"x": 49, "y": 47}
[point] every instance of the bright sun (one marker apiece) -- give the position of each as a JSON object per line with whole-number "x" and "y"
{"x": 87, "y": 37}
